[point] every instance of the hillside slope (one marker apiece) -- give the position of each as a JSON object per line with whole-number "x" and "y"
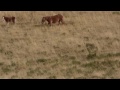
{"x": 31, "y": 50}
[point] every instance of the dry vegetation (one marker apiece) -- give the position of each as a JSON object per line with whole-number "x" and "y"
{"x": 87, "y": 47}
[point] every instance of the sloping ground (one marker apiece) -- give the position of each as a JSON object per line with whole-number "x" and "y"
{"x": 31, "y": 50}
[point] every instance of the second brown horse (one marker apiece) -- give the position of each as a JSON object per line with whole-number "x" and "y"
{"x": 53, "y": 19}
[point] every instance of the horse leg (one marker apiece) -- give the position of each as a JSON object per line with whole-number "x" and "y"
{"x": 50, "y": 23}
{"x": 14, "y": 21}
{"x": 59, "y": 22}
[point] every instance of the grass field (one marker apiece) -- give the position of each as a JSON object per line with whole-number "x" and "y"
{"x": 31, "y": 50}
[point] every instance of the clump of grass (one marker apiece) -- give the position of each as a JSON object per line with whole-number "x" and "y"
{"x": 6, "y": 69}
{"x": 9, "y": 53}
{"x": 76, "y": 62}
{"x": 79, "y": 45}
{"x": 69, "y": 71}
{"x": 64, "y": 33}
{"x": 79, "y": 70}
{"x": 108, "y": 55}
{"x": 1, "y": 50}
{"x": 56, "y": 47}
{"x": 30, "y": 72}
{"x": 94, "y": 66}
{"x": 52, "y": 77}
{"x": 111, "y": 64}
{"x": 41, "y": 60}
{"x": 117, "y": 54}
{"x": 34, "y": 71}
{"x": 97, "y": 65}
{"x": 117, "y": 12}
{"x": 13, "y": 64}
{"x": 92, "y": 49}
{"x": 91, "y": 56}
{"x": 1, "y": 63}
{"x": 30, "y": 62}
{"x": 72, "y": 57}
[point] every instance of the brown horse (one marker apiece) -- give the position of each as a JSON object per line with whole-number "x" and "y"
{"x": 9, "y": 19}
{"x": 53, "y": 19}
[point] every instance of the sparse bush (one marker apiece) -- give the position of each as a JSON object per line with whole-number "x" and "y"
{"x": 76, "y": 62}
{"x": 64, "y": 34}
{"x": 41, "y": 60}
{"x": 35, "y": 71}
{"x": 52, "y": 77}
{"x": 94, "y": 65}
{"x": 92, "y": 49}
{"x": 13, "y": 64}
{"x": 108, "y": 55}
{"x": 72, "y": 57}
{"x": 30, "y": 72}
{"x": 10, "y": 53}
{"x": 117, "y": 54}
{"x": 1, "y": 63}
{"x": 79, "y": 45}
{"x": 6, "y": 69}
{"x": 117, "y": 12}
{"x": 1, "y": 50}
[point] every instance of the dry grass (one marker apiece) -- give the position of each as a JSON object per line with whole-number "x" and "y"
{"x": 31, "y": 50}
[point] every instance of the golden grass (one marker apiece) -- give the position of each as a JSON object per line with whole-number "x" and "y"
{"x": 31, "y": 50}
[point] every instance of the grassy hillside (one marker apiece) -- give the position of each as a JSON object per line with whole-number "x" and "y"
{"x": 31, "y": 50}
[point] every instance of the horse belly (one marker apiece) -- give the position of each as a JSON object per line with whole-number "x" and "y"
{"x": 55, "y": 21}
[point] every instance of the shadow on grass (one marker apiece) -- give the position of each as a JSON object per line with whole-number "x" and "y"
{"x": 103, "y": 55}
{"x": 108, "y": 55}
